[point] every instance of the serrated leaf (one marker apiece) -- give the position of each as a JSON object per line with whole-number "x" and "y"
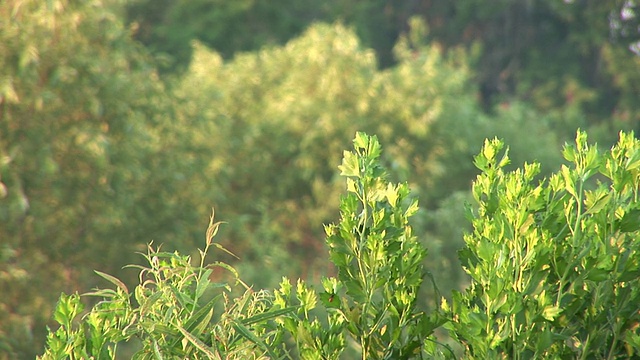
{"x": 361, "y": 140}
{"x": 551, "y": 312}
{"x": 330, "y": 300}
{"x": 599, "y": 204}
{"x": 350, "y": 166}
{"x": 351, "y": 186}
{"x": 505, "y": 160}
{"x": 67, "y": 309}
{"x": 489, "y": 150}
{"x": 569, "y": 153}
{"x": 412, "y": 209}
{"x": 634, "y": 160}
{"x": 392, "y": 194}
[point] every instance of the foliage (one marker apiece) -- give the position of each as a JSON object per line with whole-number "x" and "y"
{"x": 554, "y": 269}
{"x": 91, "y": 157}
{"x": 228, "y": 26}
{"x": 380, "y": 271}
{"x": 172, "y": 313}
{"x": 275, "y": 121}
{"x": 556, "y": 54}
{"x": 99, "y": 156}
{"x": 554, "y": 265}
{"x": 373, "y": 300}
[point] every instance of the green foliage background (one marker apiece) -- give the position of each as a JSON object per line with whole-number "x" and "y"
{"x": 107, "y": 143}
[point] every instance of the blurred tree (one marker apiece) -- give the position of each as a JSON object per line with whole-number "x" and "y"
{"x": 279, "y": 119}
{"x": 90, "y": 168}
{"x": 168, "y": 27}
{"x": 558, "y": 55}
{"x": 554, "y": 54}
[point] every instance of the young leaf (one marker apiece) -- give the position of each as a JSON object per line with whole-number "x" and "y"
{"x": 114, "y": 280}
{"x": 246, "y": 333}
{"x": 198, "y": 343}
{"x": 350, "y": 166}
{"x": 269, "y": 315}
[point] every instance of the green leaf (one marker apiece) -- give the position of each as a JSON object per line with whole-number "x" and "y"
{"x": 490, "y": 149}
{"x": 599, "y": 204}
{"x": 630, "y": 222}
{"x": 545, "y": 340}
{"x": 598, "y": 274}
{"x": 203, "y": 282}
{"x": 569, "y": 184}
{"x": 504, "y": 161}
{"x": 391, "y": 194}
{"x": 569, "y": 153}
{"x": 330, "y": 300}
{"x": 361, "y": 141}
{"x": 551, "y": 312}
{"x": 183, "y": 299}
{"x": 634, "y": 160}
{"x": 352, "y": 186}
{"x": 246, "y": 333}
{"x": 149, "y": 301}
{"x": 156, "y": 350}
{"x": 69, "y": 306}
{"x": 198, "y": 343}
{"x": 350, "y": 166}
{"x": 269, "y": 315}
{"x": 114, "y": 280}
{"x": 412, "y": 209}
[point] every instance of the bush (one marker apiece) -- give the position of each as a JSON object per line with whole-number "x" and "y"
{"x": 554, "y": 264}
{"x": 172, "y": 312}
{"x": 554, "y": 267}
{"x": 373, "y": 299}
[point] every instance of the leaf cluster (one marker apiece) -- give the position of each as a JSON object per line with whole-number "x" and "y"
{"x": 554, "y": 264}
{"x": 175, "y": 312}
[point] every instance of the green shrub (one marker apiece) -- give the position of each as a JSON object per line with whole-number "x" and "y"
{"x": 554, "y": 267}
{"x": 176, "y": 311}
{"x": 554, "y": 264}
{"x": 379, "y": 262}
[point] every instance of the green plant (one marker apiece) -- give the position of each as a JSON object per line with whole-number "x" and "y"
{"x": 176, "y": 311}
{"x": 555, "y": 264}
{"x": 372, "y": 302}
{"x": 92, "y": 159}
{"x": 380, "y": 270}
{"x": 554, "y": 267}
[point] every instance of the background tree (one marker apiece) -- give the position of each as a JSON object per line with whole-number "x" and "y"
{"x": 557, "y": 55}
{"x": 276, "y": 121}
{"x": 89, "y": 166}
